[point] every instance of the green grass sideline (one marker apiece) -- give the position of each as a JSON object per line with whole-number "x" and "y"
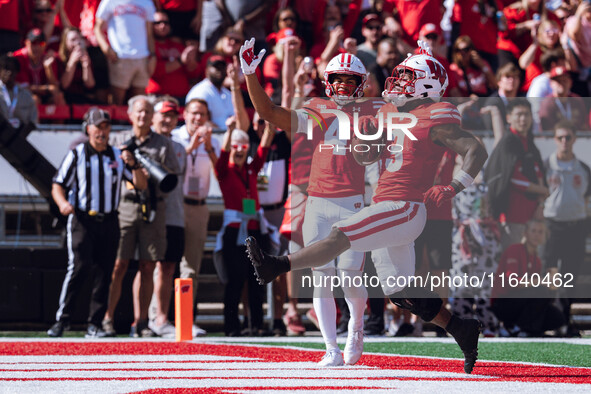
{"x": 546, "y": 352}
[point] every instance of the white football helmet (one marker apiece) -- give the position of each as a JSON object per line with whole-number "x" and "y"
{"x": 418, "y": 76}
{"x": 345, "y": 63}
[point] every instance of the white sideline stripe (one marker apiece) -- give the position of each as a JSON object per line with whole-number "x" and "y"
{"x": 118, "y": 358}
{"x": 327, "y": 373}
{"x": 417, "y": 386}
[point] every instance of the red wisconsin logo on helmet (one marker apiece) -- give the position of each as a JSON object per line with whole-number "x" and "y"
{"x": 437, "y": 71}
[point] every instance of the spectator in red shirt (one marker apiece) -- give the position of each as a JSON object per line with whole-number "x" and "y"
{"x": 405, "y": 18}
{"x": 175, "y": 63}
{"x": 74, "y": 68}
{"x": 546, "y": 38}
{"x": 243, "y": 216}
{"x": 522, "y": 17}
{"x": 285, "y": 18}
{"x": 44, "y": 17}
{"x": 228, "y": 46}
{"x": 525, "y": 310}
{"x": 38, "y": 69}
{"x": 98, "y": 60}
{"x": 14, "y": 20}
{"x": 274, "y": 62}
{"x": 477, "y": 19}
{"x": 473, "y": 74}
{"x": 329, "y": 43}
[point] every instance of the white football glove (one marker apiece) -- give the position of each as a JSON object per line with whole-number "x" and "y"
{"x": 248, "y": 60}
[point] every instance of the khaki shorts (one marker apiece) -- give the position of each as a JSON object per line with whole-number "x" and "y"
{"x": 128, "y": 73}
{"x": 148, "y": 239}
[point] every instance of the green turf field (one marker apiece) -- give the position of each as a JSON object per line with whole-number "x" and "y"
{"x": 555, "y": 353}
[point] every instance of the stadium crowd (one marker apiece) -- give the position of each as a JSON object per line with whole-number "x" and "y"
{"x": 104, "y": 52}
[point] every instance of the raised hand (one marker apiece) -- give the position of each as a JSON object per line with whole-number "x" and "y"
{"x": 248, "y": 60}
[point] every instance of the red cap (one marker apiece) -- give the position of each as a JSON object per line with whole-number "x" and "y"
{"x": 284, "y": 34}
{"x": 557, "y": 71}
{"x": 370, "y": 17}
{"x": 166, "y": 106}
{"x": 36, "y": 35}
{"x": 213, "y": 59}
{"x": 429, "y": 28}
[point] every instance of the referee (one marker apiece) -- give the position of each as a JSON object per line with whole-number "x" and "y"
{"x": 86, "y": 189}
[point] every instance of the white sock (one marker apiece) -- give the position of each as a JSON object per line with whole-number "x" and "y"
{"x": 356, "y": 298}
{"x": 326, "y": 310}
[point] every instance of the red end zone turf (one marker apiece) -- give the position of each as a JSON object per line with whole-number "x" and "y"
{"x": 165, "y": 367}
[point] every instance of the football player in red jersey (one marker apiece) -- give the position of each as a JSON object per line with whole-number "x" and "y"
{"x": 397, "y": 217}
{"x": 335, "y": 188}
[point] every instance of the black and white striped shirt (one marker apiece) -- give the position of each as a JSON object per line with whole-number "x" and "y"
{"x": 93, "y": 179}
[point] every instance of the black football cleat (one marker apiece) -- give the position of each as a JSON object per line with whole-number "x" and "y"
{"x": 467, "y": 337}
{"x": 266, "y": 267}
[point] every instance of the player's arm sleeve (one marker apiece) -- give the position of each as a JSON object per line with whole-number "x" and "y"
{"x": 445, "y": 114}
{"x": 302, "y": 120}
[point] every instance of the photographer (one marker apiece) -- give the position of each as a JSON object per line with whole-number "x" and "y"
{"x": 142, "y": 218}
{"x": 93, "y": 226}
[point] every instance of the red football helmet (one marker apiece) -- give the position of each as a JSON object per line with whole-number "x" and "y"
{"x": 418, "y": 76}
{"x": 348, "y": 64}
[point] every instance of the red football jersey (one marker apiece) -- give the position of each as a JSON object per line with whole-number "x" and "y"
{"x": 410, "y": 170}
{"x": 334, "y": 172}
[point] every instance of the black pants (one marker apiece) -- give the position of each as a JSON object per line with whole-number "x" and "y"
{"x": 240, "y": 271}
{"x": 566, "y": 244}
{"x": 92, "y": 248}
{"x": 533, "y": 315}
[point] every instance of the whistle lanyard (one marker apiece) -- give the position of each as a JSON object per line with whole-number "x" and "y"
{"x": 245, "y": 182}
{"x": 10, "y": 103}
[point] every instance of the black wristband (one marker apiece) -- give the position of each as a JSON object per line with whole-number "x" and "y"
{"x": 458, "y": 187}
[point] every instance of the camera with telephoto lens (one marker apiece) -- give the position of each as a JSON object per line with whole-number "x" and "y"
{"x": 164, "y": 180}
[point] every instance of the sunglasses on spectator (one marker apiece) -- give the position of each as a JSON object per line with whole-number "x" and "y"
{"x": 432, "y": 36}
{"x": 240, "y": 146}
{"x": 465, "y": 50}
{"x": 373, "y": 27}
{"x": 161, "y": 22}
{"x": 288, "y": 18}
{"x": 40, "y": 43}
{"x": 567, "y": 138}
{"x": 43, "y": 10}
